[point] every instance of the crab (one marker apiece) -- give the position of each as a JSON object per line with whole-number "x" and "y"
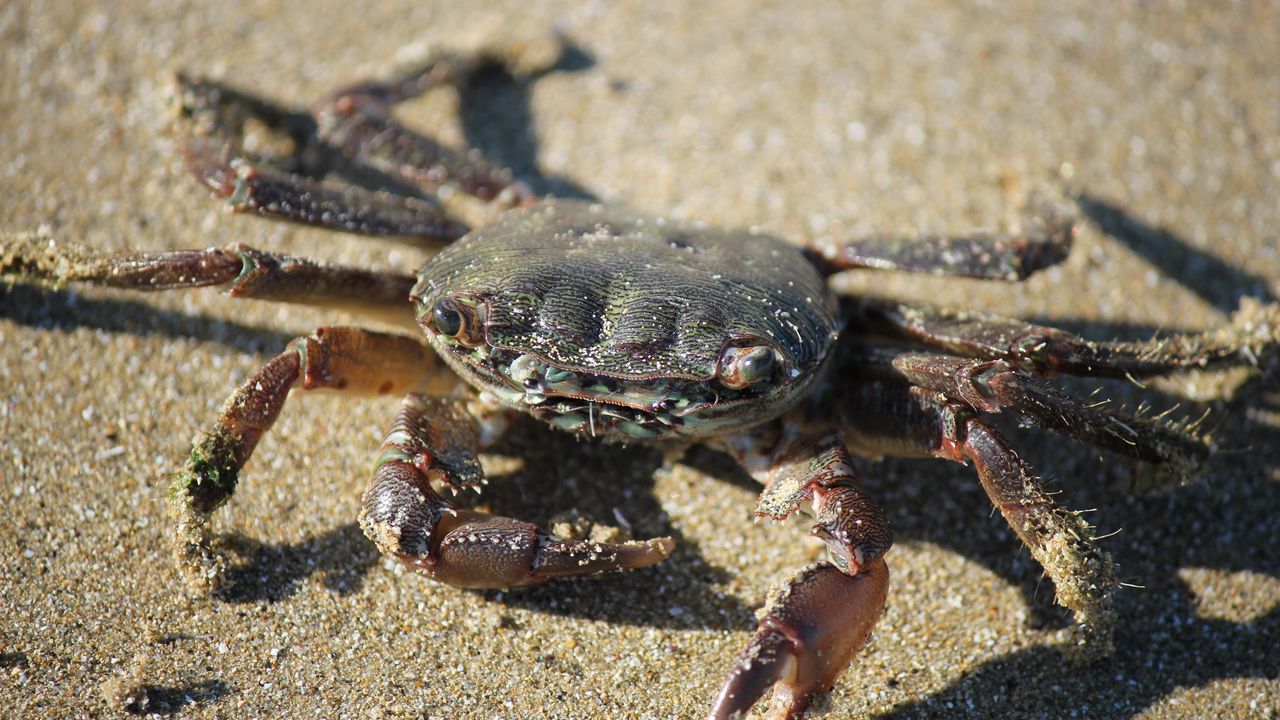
{"x": 625, "y": 328}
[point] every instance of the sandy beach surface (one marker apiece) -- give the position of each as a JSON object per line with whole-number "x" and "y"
{"x": 809, "y": 120}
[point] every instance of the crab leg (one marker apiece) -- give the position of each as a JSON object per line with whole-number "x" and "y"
{"x": 1045, "y": 240}
{"x": 287, "y": 185}
{"x": 244, "y": 271}
{"x": 992, "y": 386}
{"x": 811, "y": 628}
{"x": 432, "y": 446}
{"x": 389, "y": 174}
{"x": 894, "y": 419}
{"x": 349, "y": 360}
{"x": 1036, "y": 348}
{"x": 357, "y": 122}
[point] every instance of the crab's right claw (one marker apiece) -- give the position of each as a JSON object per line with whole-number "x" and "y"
{"x": 807, "y": 636}
{"x": 434, "y": 445}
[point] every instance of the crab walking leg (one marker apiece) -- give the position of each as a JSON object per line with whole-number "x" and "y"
{"x": 389, "y": 173}
{"x": 894, "y": 419}
{"x": 244, "y": 271}
{"x": 349, "y": 360}
{"x": 993, "y": 386}
{"x": 356, "y": 125}
{"x": 213, "y": 120}
{"x": 433, "y": 445}
{"x": 812, "y": 627}
{"x": 1253, "y": 329}
{"x": 1045, "y": 240}
{"x": 357, "y": 121}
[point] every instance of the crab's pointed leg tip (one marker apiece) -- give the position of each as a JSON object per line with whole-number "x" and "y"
{"x": 662, "y": 546}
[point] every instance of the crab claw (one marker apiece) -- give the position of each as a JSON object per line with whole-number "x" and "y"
{"x": 407, "y": 520}
{"x": 479, "y": 550}
{"x": 433, "y": 445}
{"x": 809, "y": 631}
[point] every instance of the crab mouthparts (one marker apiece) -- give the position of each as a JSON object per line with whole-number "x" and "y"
{"x": 603, "y": 406}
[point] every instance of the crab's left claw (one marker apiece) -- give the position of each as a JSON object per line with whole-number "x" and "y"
{"x": 808, "y": 634}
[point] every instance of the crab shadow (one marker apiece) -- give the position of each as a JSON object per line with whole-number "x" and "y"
{"x": 57, "y": 310}
{"x": 1160, "y": 653}
{"x": 1216, "y": 282}
{"x": 272, "y": 572}
{"x": 498, "y": 121}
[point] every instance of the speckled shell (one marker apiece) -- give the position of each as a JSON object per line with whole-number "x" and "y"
{"x": 611, "y": 292}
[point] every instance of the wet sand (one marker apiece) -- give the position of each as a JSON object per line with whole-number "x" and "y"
{"x": 834, "y": 119}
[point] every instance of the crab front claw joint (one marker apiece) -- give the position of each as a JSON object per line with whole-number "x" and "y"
{"x": 809, "y": 631}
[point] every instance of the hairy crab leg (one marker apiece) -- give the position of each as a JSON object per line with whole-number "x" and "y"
{"x": 993, "y": 386}
{"x": 1253, "y": 329}
{"x": 242, "y": 270}
{"x": 1044, "y": 240}
{"x": 433, "y": 445}
{"x": 810, "y": 630}
{"x": 348, "y": 360}
{"x": 882, "y": 418}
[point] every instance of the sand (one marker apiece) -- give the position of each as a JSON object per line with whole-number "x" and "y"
{"x": 831, "y": 119}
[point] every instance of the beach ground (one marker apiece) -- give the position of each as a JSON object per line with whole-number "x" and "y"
{"x": 826, "y": 119}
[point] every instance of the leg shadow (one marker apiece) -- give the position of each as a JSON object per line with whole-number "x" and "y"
{"x": 1217, "y": 282}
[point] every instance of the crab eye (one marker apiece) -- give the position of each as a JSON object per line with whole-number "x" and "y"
{"x": 458, "y": 321}
{"x": 742, "y": 367}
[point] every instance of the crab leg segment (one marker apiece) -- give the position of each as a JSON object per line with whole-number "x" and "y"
{"x": 1063, "y": 543}
{"x": 851, "y": 524}
{"x": 1045, "y": 240}
{"x": 810, "y": 630}
{"x": 433, "y": 446}
{"x": 349, "y": 360}
{"x": 357, "y": 122}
